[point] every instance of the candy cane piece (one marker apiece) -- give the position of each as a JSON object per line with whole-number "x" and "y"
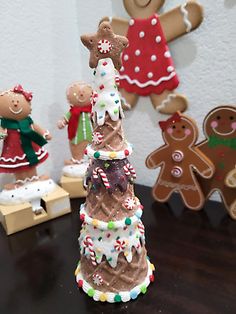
{"x": 141, "y": 228}
{"x": 98, "y": 171}
{"x": 129, "y": 170}
{"x": 89, "y": 244}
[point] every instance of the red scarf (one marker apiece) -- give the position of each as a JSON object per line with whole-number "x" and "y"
{"x": 74, "y": 119}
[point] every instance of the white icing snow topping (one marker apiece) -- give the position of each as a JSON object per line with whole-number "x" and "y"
{"x": 75, "y": 171}
{"x": 108, "y": 99}
{"x": 111, "y": 243}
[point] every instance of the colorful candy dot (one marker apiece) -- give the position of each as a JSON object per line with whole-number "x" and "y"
{"x": 104, "y": 63}
{"x": 133, "y": 294}
{"x": 102, "y": 104}
{"x": 117, "y": 101}
{"x": 77, "y": 271}
{"x": 126, "y": 152}
{"x": 96, "y": 155}
{"x": 100, "y": 239}
{"x": 101, "y": 87}
{"x": 151, "y": 278}
{"x": 94, "y": 72}
{"x": 117, "y": 298}
{"x": 85, "y": 152}
{"x": 80, "y": 283}
{"x": 109, "y": 259}
{"x": 126, "y": 253}
{"x": 106, "y": 165}
{"x": 95, "y": 222}
{"x": 112, "y": 94}
{"x": 91, "y": 292}
{"x": 103, "y": 73}
{"x": 103, "y": 297}
{"x": 82, "y": 217}
{"x": 112, "y": 155}
{"x": 128, "y": 221}
{"x": 152, "y": 267}
{"x": 143, "y": 289}
{"x": 111, "y": 225}
{"x": 116, "y": 111}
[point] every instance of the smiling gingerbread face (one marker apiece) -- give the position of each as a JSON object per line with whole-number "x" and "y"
{"x": 14, "y": 106}
{"x": 142, "y": 8}
{"x": 179, "y": 129}
{"x": 79, "y": 94}
{"x": 221, "y": 122}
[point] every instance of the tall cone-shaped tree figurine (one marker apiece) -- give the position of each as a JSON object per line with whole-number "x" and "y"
{"x": 114, "y": 266}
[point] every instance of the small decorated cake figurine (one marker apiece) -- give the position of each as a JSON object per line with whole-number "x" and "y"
{"x": 77, "y": 119}
{"x": 114, "y": 266}
{"x": 23, "y": 149}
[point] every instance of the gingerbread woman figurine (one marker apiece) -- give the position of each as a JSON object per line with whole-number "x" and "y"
{"x": 179, "y": 159}
{"x": 23, "y": 139}
{"x": 148, "y": 69}
{"x": 79, "y": 96}
{"x": 220, "y": 146}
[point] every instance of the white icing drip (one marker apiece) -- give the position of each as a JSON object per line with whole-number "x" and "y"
{"x": 166, "y": 101}
{"x": 104, "y": 242}
{"x": 153, "y": 83}
{"x": 187, "y": 22}
{"x": 108, "y": 99}
{"x": 34, "y": 178}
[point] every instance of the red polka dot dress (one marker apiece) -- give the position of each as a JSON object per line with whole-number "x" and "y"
{"x": 147, "y": 63}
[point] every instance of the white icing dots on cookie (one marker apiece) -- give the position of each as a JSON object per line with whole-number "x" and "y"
{"x": 167, "y": 54}
{"x": 170, "y": 69}
{"x": 158, "y": 39}
{"x": 141, "y": 34}
{"x": 154, "y": 21}
{"x": 150, "y": 75}
{"x": 137, "y": 52}
{"x": 126, "y": 57}
{"x": 136, "y": 69}
{"x": 131, "y": 22}
{"x": 153, "y": 58}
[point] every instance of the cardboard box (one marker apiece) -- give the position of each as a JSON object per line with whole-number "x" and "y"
{"x": 74, "y": 186}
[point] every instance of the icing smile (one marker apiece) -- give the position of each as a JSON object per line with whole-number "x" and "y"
{"x": 17, "y": 111}
{"x": 223, "y": 134}
{"x": 179, "y": 138}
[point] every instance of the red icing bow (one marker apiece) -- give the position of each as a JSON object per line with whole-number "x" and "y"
{"x": 19, "y": 89}
{"x": 165, "y": 124}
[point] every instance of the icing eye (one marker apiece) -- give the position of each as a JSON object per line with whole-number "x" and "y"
{"x": 17, "y": 101}
{"x": 12, "y": 101}
{"x": 218, "y": 117}
{"x": 231, "y": 117}
{"x": 183, "y": 127}
{"x": 173, "y": 127}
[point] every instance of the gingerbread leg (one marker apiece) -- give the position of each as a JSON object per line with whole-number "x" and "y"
{"x": 130, "y": 99}
{"x": 161, "y": 193}
{"x": 193, "y": 199}
{"x": 77, "y": 152}
{"x": 169, "y": 102}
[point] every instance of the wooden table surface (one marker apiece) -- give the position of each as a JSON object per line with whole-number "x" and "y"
{"x": 194, "y": 254}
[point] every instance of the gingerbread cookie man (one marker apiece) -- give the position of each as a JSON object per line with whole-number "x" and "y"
{"x": 220, "y": 146}
{"x": 148, "y": 69}
{"x": 179, "y": 159}
{"x": 105, "y": 44}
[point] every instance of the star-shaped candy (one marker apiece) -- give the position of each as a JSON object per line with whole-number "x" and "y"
{"x": 105, "y": 44}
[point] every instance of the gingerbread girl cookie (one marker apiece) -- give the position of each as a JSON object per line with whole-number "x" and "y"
{"x": 220, "y": 146}
{"x": 78, "y": 120}
{"x": 179, "y": 159}
{"x": 148, "y": 69}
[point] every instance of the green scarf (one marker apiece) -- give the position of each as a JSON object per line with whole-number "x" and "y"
{"x": 27, "y": 136}
{"x": 215, "y": 141}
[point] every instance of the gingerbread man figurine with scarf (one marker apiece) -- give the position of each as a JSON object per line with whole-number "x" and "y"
{"x": 148, "y": 69}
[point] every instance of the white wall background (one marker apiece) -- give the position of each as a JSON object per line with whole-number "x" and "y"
{"x": 40, "y": 48}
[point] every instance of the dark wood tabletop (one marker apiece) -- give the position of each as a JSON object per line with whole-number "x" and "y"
{"x": 194, "y": 254}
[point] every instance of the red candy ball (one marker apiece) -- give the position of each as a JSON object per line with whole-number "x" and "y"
{"x": 80, "y": 283}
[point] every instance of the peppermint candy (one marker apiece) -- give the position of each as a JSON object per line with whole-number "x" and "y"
{"x": 97, "y": 279}
{"x": 119, "y": 246}
{"x": 97, "y": 138}
{"x": 129, "y": 203}
{"x": 94, "y": 98}
{"x": 104, "y": 46}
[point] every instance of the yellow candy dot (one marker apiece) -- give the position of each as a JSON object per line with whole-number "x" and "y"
{"x": 103, "y": 297}
{"x": 126, "y": 253}
{"x": 77, "y": 271}
{"x": 152, "y": 267}
{"x": 112, "y": 155}
{"x": 95, "y": 222}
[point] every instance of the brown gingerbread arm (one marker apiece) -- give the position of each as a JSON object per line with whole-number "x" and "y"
{"x": 120, "y": 26}
{"x": 156, "y": 158}
{"x": 202, "y": 164}
{"x": 41, "y": 131}
{"x": 181, "y": 20}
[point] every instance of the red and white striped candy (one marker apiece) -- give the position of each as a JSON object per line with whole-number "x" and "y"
{"x": 97, "y": 279}
{"x": 141, "y": 228}
{"x": 97, "y": 138}
{"x": 129, "y": 203}
{"x": 129, "y": 170}
{"x": 94, "y": 98}
{"x": 98, "y": 171}
{"x": 119, "y": 246}
{"x": 104, "y": 46}
{"x": 88, "y": 242}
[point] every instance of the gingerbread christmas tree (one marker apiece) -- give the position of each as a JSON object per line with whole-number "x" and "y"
{"x": 114, "y": 266}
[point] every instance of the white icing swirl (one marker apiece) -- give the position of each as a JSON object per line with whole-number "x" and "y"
{"x": 108, "y": 98}
{"x": 177, "y": 172}
{"x": 187, "y": 22}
